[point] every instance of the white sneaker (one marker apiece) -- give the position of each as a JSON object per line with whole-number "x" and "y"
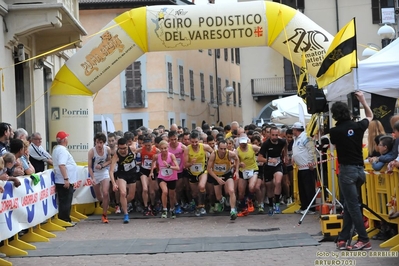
{"x": 289, "y": 201}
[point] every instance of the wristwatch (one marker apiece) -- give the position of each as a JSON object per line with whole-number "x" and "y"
{"x": 66, "y": 178}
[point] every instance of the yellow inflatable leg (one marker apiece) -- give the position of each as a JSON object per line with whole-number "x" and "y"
{"x": 393, "y": 241}
{"x": 110, "y": 210}
{"x": 98, "y": 210}
{"x": 50, "y": 226}
{"x": 21, "y": 244}
{"x": 39, "y": 230}
{"x": 60, "y": 222}
{"x": 292, "y": 208}
{"x": 11, "y": 250}
{"x": 74, "y": 219}
{"x": 86, "y": 209}
{"x": 5, "y": 263}
{"x": 33, "y": 237}
{"x": 77, "y": 214}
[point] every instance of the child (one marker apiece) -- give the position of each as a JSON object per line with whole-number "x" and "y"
{"x": 385, "y": 146}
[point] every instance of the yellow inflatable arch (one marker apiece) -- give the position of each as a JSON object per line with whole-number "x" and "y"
{"x": 166, "y": 28}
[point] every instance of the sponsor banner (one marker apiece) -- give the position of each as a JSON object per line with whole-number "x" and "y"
{"x": 383, "y": 109}
{"x": 104, "y": 57}
{"x": 28, "y": 205}
{"x": 84, "y": 192}
{"x": 74, "y": 115}
{"x": 206, "y": 26}
{"x": 302, "y": 34}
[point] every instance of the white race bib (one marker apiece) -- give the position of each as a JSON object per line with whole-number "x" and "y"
{"x": 166, "y": 171}
{"x": 178, "y": 161}
{"x": 147, "y": 164}
{"x": 276, "y": 163}
{"x": 129, "y": 166}
{"x": 220, "y": 168}
{"x": 247, "y": 174}
{"x": 197, "y": 167}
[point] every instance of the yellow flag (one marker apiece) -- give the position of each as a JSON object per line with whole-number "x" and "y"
{"x": 341, "y": 56}
{"x": 303, "y": 79}
{"x": 313, "y": 126}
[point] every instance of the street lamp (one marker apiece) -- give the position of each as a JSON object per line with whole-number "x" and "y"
{"x": 387, "y": 34}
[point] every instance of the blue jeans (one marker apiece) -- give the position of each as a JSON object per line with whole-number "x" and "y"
{"x": 351, "y": 178}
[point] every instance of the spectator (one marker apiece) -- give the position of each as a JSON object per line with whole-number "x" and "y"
{"x": 17, "y": 148}
{"x": 5, "y": 136}
{"x": 39, "y": 157}
{"x": 385, "y": 149}
{"x": 20, "y": 133}
{"x": 375, "y": 130}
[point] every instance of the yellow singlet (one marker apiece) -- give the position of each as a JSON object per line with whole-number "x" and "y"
{"x": 199, "y": 166}
{"x": 221, "y": 166}
{"x": 248, "y": 158}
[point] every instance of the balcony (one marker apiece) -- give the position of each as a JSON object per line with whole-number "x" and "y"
{"x": 134, "y": 99}
{"x": 274, "y": 87}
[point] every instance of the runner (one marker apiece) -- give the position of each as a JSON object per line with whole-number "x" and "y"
{"x": 220, "y": 173}
{"x": 126, "y": 175}
{"x": 99, "y": 159}
{"x": 167, "y": 166}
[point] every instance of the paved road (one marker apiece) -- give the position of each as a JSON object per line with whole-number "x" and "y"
{"x": 214, "y": 226}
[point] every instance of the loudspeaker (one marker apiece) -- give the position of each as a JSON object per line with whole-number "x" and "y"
{"x": 354, "y": 105}
{"x": 315, "y": 100}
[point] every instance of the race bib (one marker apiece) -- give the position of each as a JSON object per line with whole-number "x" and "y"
{"x": 129, "y": 166}
{"x": 247, "y": 174}
{"x": 274, "y": 164}
{"x": 178, "y": 161}
{"x": 197, "y": 167}
{"x": 166, "y": 171}
{"x": 147, "y": 164}
{"x": 220, "y": 168}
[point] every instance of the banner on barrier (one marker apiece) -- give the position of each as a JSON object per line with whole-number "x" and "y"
{"x": 27, "y": 205}
{"x": 84, "y": 192}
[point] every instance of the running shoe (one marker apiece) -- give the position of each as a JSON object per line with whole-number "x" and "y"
{"x": 250, "y": 205}
{"x": 117, "y": 209}
{"x": 197, "y": 212}
{"x": 212, "y": 209}
{"x": 148, "y": 212}
{"x": 289, "y": 201}
{"x": 271, "y": 211}
{"x": 233, "y": 215}
{"x": 104, "y": 219}
{"x": 341, "y": 245}
{"x": 243, "y": 213}
{"x": 202, "y": 211}
{"x": 126, "y": 219}
{"x": 261, "y": 210}
{"x": 129, "y": 207}
{"x": 277, "y": 209}
{"x": 178, "y": 209}
{"x": 173, "y": 214}
{"x": 219, "y": 207}
{"x": 164, "y": 214}
{"x": 360, "y": 245}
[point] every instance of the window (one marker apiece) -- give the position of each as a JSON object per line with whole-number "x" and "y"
{"x": 202, "y": 84}
{"x": 181, "y": 80}
{"x": 234, "y": 94}
{"x": 211, "y": 89}
{"x": 217, "y": 53}
{"x": 97, "y": 127}
{"x": 170, "y": 78}
{"x": 193, "y": 125}
{"x": 227, "y": 96}
{"x": 133, "y": 124}
{"x": 134, "y": 96}
{"x": 191, "y": 74}
{"x": 232, "y": 55}
{"x": 376, "y": 6}
{"x": 209, "y": 51}
{"x": 237, "y": 52}
{"x": 289, "y": 76}
{"x": 239, "y": 94}
{"x": 226, "y": 54}
{"x": 183, "y": 123}
{"x": 219, "y": 91}
{"x": 171, "y": 121}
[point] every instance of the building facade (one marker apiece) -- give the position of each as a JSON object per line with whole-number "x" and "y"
{"x": 163, "y": 88}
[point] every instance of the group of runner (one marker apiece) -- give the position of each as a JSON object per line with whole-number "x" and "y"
{"x": 205, "y": 169}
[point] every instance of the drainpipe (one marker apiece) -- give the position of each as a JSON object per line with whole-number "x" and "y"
{"x": 336, "y": 14}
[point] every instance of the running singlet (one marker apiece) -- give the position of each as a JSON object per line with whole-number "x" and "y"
{"x": 271, "y": 150}
{"x": 126, "y": 165}
{"x": 198, "y": 166}
{"x": 146, "y": 157}
{"x": 179, "y": 154}
{"x": 221, "y": 166}
{"x": 248, "y": 158}
{"x": 165, "y": 173}
{"x": 97, "y": 159}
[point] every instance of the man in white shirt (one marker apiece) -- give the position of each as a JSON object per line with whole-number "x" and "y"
{"x": 65, "y": 172}
{"x": 38, "y": 156}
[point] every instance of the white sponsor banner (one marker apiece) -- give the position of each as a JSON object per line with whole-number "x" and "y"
{"x": 84, "y": 192}
{"x": 28, "y": 205}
